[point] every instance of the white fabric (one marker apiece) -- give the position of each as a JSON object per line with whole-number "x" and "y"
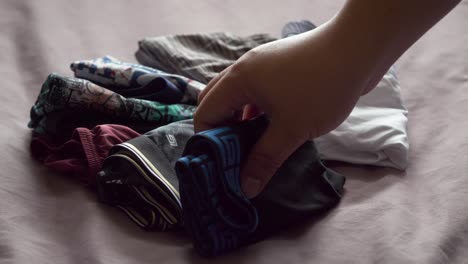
{"x": 375, "y": 133}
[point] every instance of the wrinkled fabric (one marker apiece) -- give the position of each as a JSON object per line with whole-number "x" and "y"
{"x": 375, "y": 133}
{"x": 80, "y": 156}
{"x": 197, "y": 56}
{"x": 138, "y": 81}
{"x": 386, "y": 216}
{"x": 296, "y": 27}
{"x": 217, "y": 214}
{"x": 138, "y": 177}
{"x": 66, "y": 103}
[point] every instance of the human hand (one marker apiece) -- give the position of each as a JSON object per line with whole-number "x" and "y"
{"x": 307, "y": 84}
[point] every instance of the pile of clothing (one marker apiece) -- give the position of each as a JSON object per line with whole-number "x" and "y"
{"x": 127, "y": 131}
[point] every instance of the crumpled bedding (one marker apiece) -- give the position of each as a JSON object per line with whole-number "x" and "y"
{"x": 385, "y": 216}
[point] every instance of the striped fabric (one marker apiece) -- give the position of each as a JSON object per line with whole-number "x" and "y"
{"x": 139, "y": 178}
{"x": 139, "y": 189}
{"x": 159, "y": 191}
{"x": 202, "y": 56}
{"x": 217, "y": 214}
{"x": 380, "y": 113}
{"x": 197, "y": 56}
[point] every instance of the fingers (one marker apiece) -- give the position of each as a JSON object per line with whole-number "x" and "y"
{"x": 211, "y": 84}
{"x": 221, "y": 103}
{"x": 250, "y": 111}
{"x": 268, "y": 154}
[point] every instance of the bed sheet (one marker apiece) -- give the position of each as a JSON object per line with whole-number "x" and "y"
{"x": 386, "y": 216}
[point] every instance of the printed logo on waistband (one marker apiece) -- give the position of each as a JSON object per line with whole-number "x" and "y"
{"x": 118, "y": 181}
{"x": 172, "y": 140}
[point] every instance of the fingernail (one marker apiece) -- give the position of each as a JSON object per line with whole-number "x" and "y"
{"x": 251, "y": 187}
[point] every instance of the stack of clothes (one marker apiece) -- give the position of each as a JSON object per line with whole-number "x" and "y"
{"x": 127, "y": 130}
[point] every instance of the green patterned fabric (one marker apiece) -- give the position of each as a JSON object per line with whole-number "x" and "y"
{"x": 65, "y": 103}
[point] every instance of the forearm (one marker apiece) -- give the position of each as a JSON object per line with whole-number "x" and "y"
{"x": 378, "y": 32}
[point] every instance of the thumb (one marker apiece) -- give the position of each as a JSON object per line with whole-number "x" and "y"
{"x": 266, "y": 157}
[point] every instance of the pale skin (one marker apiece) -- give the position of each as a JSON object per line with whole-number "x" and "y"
{"x": 309, "y": 83}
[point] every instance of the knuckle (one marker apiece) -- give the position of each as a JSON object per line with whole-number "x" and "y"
{"x": 241, "y": 66}
{"x": 255, "y": 52}
{"x": 237, "y": 69}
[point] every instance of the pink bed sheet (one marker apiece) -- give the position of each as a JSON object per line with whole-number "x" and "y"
{"x": 386, "y": 216}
